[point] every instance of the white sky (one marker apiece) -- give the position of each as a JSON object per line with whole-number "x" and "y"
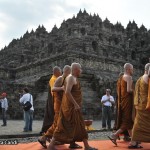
{"x": 18, "y": 16}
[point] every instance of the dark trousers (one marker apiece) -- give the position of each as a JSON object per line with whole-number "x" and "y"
{"x": 106, "y": 116}
{"x": 4, "y": 116}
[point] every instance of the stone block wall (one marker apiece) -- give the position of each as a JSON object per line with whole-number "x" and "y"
{"x": 99, "y": 46}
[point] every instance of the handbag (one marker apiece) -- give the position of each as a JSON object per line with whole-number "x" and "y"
{"x": 27, "y": 105}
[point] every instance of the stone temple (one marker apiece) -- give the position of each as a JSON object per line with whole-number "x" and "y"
{"x": 102, "y": 48}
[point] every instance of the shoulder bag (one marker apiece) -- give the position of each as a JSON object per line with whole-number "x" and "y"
{"x": 27, "y": 105}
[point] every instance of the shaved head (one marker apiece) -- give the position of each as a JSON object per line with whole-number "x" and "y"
{"x": 76, "y": 69}
{"x": 75, "y": 65}
{"x": 147, "y": 66}
{"x": 66, "y": 68}
{"x": 128, "y": 66}
{"x": 56, "y": 68}
{"x": 56, "y": 71}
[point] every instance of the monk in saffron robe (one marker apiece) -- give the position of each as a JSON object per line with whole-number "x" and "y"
{"x": 125, "y": 132}
{"x": 70, "y": 125}
{"x": 56, "y": 99}
{"x": 49, "y": 113}
{"x": 50, "y": 110}
{"x": 57, "y": 90}
{"x": 141, "y": 131}
{"x": 125, "y": 103}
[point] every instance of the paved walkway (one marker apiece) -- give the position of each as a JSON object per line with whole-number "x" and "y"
{"x": 99, "y": 144}
{"x": 15, "y": 127}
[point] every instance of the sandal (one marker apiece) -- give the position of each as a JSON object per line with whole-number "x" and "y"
{"x": 75, "y": 146}
{"x": 90, "y": 148}
{"x": 43, "y": 143}
{"x": 137, "y": 146}
{"x": 113, "y": 140}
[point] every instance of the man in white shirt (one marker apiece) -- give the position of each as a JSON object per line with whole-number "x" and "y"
{"x": 107, "y": 101}
{"x": 4, "y": 105}
{"x": 28, "y": 115}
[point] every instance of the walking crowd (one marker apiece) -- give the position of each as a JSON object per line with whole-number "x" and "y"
{"x": 68, "y": 123}
{"x": 133, "y": 107}
{"x": 132, "y": 113}
{"x": 63, "y": 121}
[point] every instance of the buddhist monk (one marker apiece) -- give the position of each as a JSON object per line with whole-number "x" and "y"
{"x": 70, "y": 125}
{"x": 57, "y": 90}
{"x": 49, "y": 110}
{"x": 125, "y": 132}
{"x": 125, "y": 103}
{"x": 141, "y": 131}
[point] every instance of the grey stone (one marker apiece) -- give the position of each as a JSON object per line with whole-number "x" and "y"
{"x": 99, "y": 46}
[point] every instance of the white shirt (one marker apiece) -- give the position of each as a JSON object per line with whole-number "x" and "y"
{"x": 105, "y": 97}
{"x": 25, "y": 98}
{"x": 4, "y": 103}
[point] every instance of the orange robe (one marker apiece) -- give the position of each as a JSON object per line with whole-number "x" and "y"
{"x": 57, "y": 96}
{"x": 52, "y": 81}
{"x": 125, "y": 106}
{"x": 49, "y": 109}
{"x": 141, "y": 126}
{"x": 148, "y": 100}
{"x": 70, "y": 126}
{"x": 56, "y": 99}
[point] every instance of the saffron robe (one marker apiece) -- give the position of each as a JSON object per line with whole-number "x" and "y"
{"x": 70, "y": 125}
{"x": 49, "y": 112}
{"x": 125, "y": 106}
{"x": 51, "y": 129}
{"x": 57, "y": 105}
{"x": 141, "y": 126}
{"x": 49, "y": 109}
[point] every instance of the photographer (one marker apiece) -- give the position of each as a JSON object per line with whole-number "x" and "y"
{"x": 107, "y": 102}
{"x": 28, "y": 114}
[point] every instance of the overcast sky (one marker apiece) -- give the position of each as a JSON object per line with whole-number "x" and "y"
{"x": 18, "y": 16}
